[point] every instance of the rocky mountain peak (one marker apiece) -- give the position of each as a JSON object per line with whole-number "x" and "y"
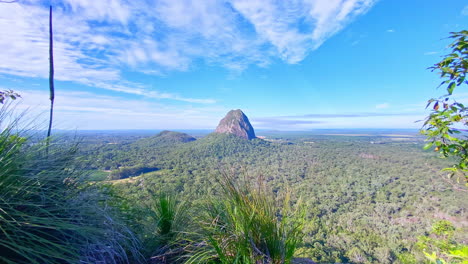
{"x": 236, "y": 122}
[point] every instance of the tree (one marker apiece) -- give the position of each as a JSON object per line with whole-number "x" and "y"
{"x": 444, "y": 126}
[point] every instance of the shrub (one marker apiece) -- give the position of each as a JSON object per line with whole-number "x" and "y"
{"x": 440, "y": 246}
{"x": 167, "y": 232}
{"x": 247, "y": 224}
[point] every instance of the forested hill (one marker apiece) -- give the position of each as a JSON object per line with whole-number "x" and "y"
{"x": 169, "y": 148}
{"x": 164, "y": 138}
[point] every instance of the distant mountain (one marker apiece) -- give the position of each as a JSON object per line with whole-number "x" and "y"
{"x": 166, "y": 138}
{"x": 175, "y": 136}
{"x": 236, "y": 123}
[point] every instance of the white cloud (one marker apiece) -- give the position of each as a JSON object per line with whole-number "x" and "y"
{"x": 95, "y": 41}
{"x": 390, "y": 30}
{"x": 465, "y": 11}
{"x": 382, "y": 106}
{"x": 82, "y": 53}
{"x": 25, "y": 42}
{"x": 430, "y": 53}
{"x": 112, "y": 10}
{"x": 294, "y": 28}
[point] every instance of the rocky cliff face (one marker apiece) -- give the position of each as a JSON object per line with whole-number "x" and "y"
{"x": 236, "y": 123}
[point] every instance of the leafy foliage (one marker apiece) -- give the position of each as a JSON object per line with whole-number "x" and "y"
{"x": 442, "y": 126}
{"x": 439, "y": 245}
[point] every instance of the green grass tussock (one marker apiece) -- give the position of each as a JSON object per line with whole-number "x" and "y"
{"x": 248, "y": 224}
{"x": 48, "y": 214}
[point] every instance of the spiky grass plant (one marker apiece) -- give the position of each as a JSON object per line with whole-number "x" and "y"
{"x": 47, "y": 213}
{"x": 170, "y": 216}
{"x": 162, "y": 221}
{"x": 248, "y": 224}
{"x": 169, "y": 226}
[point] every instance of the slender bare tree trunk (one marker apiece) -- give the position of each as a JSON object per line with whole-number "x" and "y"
{"x": 51, "y": 77}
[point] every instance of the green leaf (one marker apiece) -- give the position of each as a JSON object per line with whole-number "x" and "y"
{"x": 450, "y": 169}
{"x": 451, "y": 87}
{"x": 428, "y": 146}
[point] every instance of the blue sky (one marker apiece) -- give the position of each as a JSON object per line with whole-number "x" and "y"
{"x": 289, "y": 65}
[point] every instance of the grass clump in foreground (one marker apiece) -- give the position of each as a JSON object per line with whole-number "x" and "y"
{"x": 47, "y": 213}
{"x": 168, "y": 234}
{"x": 248, "y": 224}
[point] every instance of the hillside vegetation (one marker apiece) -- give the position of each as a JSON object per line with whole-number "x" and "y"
{"x": 366, "y": 202}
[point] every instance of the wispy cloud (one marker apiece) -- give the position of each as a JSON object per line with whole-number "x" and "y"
{"x": 390, "y": 30}
{"x": 84, "y": 53}
{"x": 85, "y": 110}
{"x": 280, "y": 123}
{"x": 465, "y": 11}
{"x": 430, "y": 53}
{"x": 137, "y": 89}
{"x": 96, "y": 40}
{"x": 340, "y": 120}
{"x": 348, "y": 115}
{"x": 293, "y": 28}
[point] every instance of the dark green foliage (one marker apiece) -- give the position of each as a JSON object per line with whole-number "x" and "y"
{"x": 170, "y": 219}
{"x": 166, "y": 212}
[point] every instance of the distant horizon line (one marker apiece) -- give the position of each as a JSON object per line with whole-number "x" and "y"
{"x": 212, "y": 129}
